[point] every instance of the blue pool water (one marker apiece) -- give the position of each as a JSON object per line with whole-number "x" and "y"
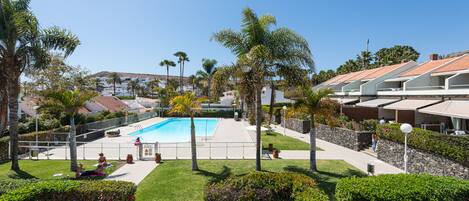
{"x": 176, "y": 130}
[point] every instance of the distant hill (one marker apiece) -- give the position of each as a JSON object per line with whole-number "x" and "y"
{"x": 135, "y": 75}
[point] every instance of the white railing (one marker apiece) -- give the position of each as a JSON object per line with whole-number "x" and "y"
{"x": 85, "y": 150}
{"x": 425, "y": 88}
{"x": 119, "y": 151}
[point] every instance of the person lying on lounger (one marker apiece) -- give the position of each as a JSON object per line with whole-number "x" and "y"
{"x": 99, "y": 172}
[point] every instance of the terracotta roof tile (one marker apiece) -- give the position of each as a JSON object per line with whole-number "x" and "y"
{"x": 459, "y": 64}
{"x": 111, "y": 103}
{"x": 425, "y": 67}
{"x": 361, "y": 74}
{"x": 383, "y": 70}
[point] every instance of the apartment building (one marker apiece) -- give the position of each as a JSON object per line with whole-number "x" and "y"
{"x": 122, "y": 88}
{"x": 432, "y": 95}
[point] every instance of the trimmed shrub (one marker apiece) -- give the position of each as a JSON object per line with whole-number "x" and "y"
{"x": 451, "y": 147}
{"x": 73, "y": 190}
{"x": 265, "y": 186}
{"x": 402, "y": 187}
{"x": 7, "y": 185}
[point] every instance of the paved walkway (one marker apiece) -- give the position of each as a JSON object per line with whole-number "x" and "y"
{"x": 333, "y": 151}
{"x": 133, "y": 172}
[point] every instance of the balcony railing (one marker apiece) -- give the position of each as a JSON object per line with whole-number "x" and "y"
{"x": 391, "y": 89}
{"x": 459, "y": 86}
{"x": 426, "y": 88}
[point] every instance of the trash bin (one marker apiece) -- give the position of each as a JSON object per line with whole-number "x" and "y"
{"x": 370, "y": 168}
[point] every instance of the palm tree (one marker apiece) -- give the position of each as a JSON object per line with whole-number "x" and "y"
{"x": 209, "y": 67}
{"x": 114, "y": 79}
{"x": 69, "y": 101}
{"x": 261, "y": 52}
{"x": 167, "y": 63}
{"x": 182, "y": 58}
{"x": 188, "y": 104}
{"x": 313, "y": 103}
{"x": 133, "y": 86}
{"x": 25, "y": 45}
{"x": 192, "y": 81}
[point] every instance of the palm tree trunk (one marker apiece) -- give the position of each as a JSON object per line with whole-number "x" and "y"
{"x": 182, "y": 75}
{"x": 258, "y": 126}
{"x": 167, "y": 76}
{"x": 193, "y": 145}
{"x": 73, "y": 145}
{"x": 13, "y": 92}
{"x": 209, "y": 88}
{"x": 312, "y": 144}
{"x": 3, "y": 111}
{"x": 272, "y": 101}
{"x": 114, "y": 87}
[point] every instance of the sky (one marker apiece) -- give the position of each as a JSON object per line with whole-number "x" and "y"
{"x": 135, "y": 35}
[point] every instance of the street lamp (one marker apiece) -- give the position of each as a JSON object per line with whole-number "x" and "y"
{"x": 284, "y": 119}
{"x": 406, "y": 129}
{"x": 37, "y": 126}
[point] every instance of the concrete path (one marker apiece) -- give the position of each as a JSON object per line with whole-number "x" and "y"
{"x": 333, "y": 151}
{"x": 133, "y": 172}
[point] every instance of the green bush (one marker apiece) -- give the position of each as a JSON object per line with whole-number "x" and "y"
{"x": 265, "y": 186}
{"x": 451, "y": 147}
{"x": 369, "y": 124}
{"x": 73, "y": 190}
{"x": 402, "y": 187}
{"x": 7, "y": 185}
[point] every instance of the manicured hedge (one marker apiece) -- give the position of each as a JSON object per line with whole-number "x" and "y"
{"x": 265, "y": 186}
{"x": 455, "y": 148}
{"x": 7, "y": 185}
{"x": 402, "y": 187}
{"x": 55, "y": 190}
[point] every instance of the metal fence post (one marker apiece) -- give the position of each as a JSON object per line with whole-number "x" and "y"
{"x": 84, "y": 158}
{"x": 48, "y": 150}
{"x": 30, "y": 151}
{"x": 66, "y": 150}
{"x": 101, "y": 147}
{"x": 210, "y": 150}
{"x": 226, "y": 149}
{"x": 176, "y": 150}
{"x": 119, "y": 151}
{"x": 243, "y": 150}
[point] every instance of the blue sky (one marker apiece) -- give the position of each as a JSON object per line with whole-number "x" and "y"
{"x": 134, "y": 35}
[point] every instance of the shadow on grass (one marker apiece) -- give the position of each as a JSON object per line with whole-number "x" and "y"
{"x": 20, "y": 174}
{"x": 327, "y": 181}
{"x": 216, "y": 177}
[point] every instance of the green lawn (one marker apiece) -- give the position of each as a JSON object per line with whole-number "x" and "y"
{"x": 45, "y": 169}
{"x": 174, "y": 180}
{"x": 283, "y": 142}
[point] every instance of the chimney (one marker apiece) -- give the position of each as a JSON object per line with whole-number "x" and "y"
{"x": 433, "y": 56}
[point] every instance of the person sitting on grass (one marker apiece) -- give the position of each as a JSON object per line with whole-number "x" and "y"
{"x": 102, "y": 160}
{"x": 99, "y": 172}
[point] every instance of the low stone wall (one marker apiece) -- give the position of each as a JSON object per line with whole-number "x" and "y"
{"x": 355, "y": 140}
{"x": 419, "y": 161}
{"x": 298, "y": 125}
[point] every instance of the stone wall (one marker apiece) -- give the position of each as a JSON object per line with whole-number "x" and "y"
{"x": 355, "y": 140}
{"x": 298, "y": 125}
{"x": 419, "y": 161}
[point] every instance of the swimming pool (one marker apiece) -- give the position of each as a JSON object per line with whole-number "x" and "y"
{"x": 176, "y": 130}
